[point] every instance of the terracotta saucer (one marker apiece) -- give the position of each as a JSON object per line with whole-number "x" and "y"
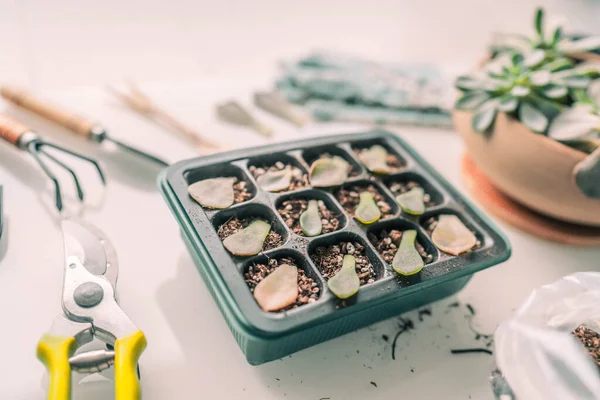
{"x": 522, "y": 217}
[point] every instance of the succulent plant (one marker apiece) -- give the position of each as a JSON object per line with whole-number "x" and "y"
{"x": 249, "y": 241}
{"x": 555, "y": 45}
{"x": 213, "y": 193}
{"x": 525, "y": 87}
{"x": 279, "y": 289}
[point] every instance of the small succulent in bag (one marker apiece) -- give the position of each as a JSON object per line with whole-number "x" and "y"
{"x": 523, "y": 86}
{"x": 554, "y": 44}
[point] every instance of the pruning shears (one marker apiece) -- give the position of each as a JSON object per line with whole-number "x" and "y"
{"x": 90, "y": 310}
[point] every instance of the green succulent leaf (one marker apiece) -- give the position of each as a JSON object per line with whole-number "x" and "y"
{"x": 540, "y": 78}
{"x": 532, "y": 118}
{"x": 484, "y": 118}
{"x": 558, "y": 64}
{"x": 555, "y": 91}
{"x": 575, "y": 81}
{"x": 520, "y": 91}
{"x": 556, "y": 36}
{"x": 472, "y": 100}
{"x": 452, "y": 236}
{"x": 582, "y": 45}
{"x": 508, "y": 104}
{"x": 539, "y": 23}
{"x": 516, "y": 59}
{"x": 534, "y": 58}
{"x": 468, "y": 83}
{"x": 587, "y": 175}
{"x": 573, "y": 124}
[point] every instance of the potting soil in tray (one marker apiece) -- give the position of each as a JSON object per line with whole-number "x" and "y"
{"x": 316, "y": 314}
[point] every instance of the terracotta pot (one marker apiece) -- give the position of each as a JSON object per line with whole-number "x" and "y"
{"x": 531, "y": 169}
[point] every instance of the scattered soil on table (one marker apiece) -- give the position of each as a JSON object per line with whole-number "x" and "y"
{"x": 349, "y": 197}
{"x": 291, "y": 210}
{"x": 299, "y": 179}
{"x": 329, "y": 261}
{"x": 393, "y": 162}
{"x": 240, "y": 192}
{"x": 591, "y": 341}
{"x": 430, "y": 224}
{"x": 234, "y": 225}
{"x": 308, "y": 290}
{"x": 387, "y": 244}
{"x": 397, "y": 188}
{"x": 351, "y": 172}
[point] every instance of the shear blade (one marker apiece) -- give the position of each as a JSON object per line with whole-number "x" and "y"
{"x": 91, "y": 247}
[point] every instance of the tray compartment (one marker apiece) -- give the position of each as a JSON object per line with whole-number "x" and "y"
{"x": 269, "y": 160}
{"x": 375, "y": 230}
{"x": 312, "y": 154}
{"x": 365, "y": 144}
{"x": 251, "y": 212}
{"x": 363, "y": 184}
{"x": 437, "y": 198}
{"x": 301, "y": 263}
{"x": 348, "y": 237}
{"x": 313, "y": 194}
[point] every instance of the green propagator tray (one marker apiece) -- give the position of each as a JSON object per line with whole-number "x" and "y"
{"x": 266, "y": 336}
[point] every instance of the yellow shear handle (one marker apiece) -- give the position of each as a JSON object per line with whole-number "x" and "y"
{"x": 127, "y": 352}
{"x": 54, "y": 352}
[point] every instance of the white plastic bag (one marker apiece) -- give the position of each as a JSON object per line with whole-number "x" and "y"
{"x": 535, "y": 350}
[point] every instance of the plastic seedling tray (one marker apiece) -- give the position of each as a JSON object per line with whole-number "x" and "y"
{"x": 265, "y": 336}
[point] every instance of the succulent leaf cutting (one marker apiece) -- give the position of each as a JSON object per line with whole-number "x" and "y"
{"x": 412, "y": 202}
{"x": 213, "y": 193}
{"x": 375, "y": 159}
{"x": 345, "y": 283}
{"x": 407, "y": 260}
{"x": 279, "y": 289}
{"x": 367, "y": 210}
{"x": 310, "y": 220}
{"x": 452, "y": 236}
{"x": 329, "y": 171}
{"x": 248, "y": 241}
{"x": 276, "y": 181}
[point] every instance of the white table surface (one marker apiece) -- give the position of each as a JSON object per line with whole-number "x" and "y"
{"x": 189, "y": 55}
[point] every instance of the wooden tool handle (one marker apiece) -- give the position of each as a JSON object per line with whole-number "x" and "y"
{"x": 28, "y": 101}
{"x": 11, "y": 130}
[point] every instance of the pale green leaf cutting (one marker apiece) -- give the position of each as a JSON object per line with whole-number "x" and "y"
{"x": 310, "y": 220}
{"x": 407, "y": 260}
{"x": 326, "y": 172}
{"x": 452, "y": 236}
{"x": 345, "y": 283}
{"x": 367, "y": 210}
{"x": 375, "y": 159}
{"x": 279, "y": 289}
{"x": 249, "y": 241}
{"x": 214, "y": 192}
{"x": 275, "y": 181}
{"x": 412, "y": 202}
